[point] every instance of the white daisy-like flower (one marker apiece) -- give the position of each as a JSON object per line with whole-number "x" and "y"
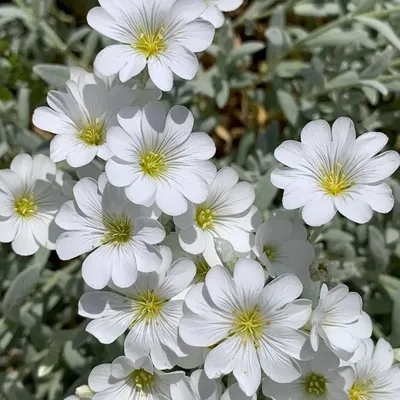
{"x": 331, "y": 170}
{"x": 146, "y": 309}
{"x": 159, "y": 160}
{"x": 122, "y": 234}
{"x": 141, "y": 93}
{"x": 320, "y": 380}
{"x": 202, "y": 267}
{"x": 213, "y": 12}
{"x": 31, "y": 193}
{"x": 251, "y": 327}
{"x": 162, "y": 34}
{"x": 131, "y": 378}
{"x": 340, "y": 321}
{"x": 282, "y": 246}
{"x": 374, "y": 377}
{"x": 81, "y": 119}
{"x": 227, "y": 213}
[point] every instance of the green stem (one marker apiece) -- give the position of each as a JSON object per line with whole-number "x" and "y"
{"x": 315, "y": 233}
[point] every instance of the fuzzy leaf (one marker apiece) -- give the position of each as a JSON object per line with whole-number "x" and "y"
{"x": 383, "y": 28}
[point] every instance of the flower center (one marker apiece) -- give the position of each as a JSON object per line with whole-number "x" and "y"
{"x": 270, "y": 252}
{"x": 149, "y": 306}
{"x": 25, "y": 206}
{"x": 141, "y": 379}
{"x": 152, "y": 164}
{"x": 93, "y": 134}
{"x": 202, "y": 269}
{"x": 151, "y": 43}
{"x": 361, "y": 389}
{"x": 248, "y": 324}
{"x": 205, "y": 217}
{"x": 335, "y": 182}
{"x": 118, "y": 230}
{"x": 315, "y": 385}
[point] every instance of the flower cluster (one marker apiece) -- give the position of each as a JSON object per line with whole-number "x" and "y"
{"x": 223, "y": 293}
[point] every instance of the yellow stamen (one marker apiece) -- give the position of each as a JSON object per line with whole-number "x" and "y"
{"x": 335, "y": 181}
{"x": 118, "y": 230}
{"x": 25, "y": 206}
{"x": 270, "y": 252}
{"x": 148, "y": 306}
{"x": 151, "y": 43}
{"x": 315, "y": 385}
{"x": 142, "y": 380}
{"x": 204, "y": 217}
{"x": 249, "y": 325}
{"x": 93, "y": 134}
{"x": 152, "y": 164}
{"x": 361, "y": 389}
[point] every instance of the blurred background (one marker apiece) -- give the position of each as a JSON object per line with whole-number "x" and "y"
{"x": 274, "y": 66}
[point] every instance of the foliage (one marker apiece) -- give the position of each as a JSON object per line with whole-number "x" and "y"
{"x": 273, "y": 66}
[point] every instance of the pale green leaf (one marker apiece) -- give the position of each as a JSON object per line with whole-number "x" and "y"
{"x": 383, "y": 28}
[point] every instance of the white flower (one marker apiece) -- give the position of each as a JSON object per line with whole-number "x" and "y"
{"x": 374, "y": 377}
{"x": 141, "y": 94}
{"x": 252, "y": 327}
{"x": 121, "y": 234}
{"x": 146, "y": 309}
{"x": 214, "y": 8}
{"x": 227, "y": 213}
{"x": 81, "y": 119}
{"x": 330, "y": 171}
{"x": 340, "y": 321}
{"x": 31, "y": 193}
{"x": 160, "y": 34}
{"x": 132, "y": 378}
{"x": 282, "y": 247}
{"x": 320, "y": 380}
{"x": 201, "y": 264}
{"x": 158, "y": 158}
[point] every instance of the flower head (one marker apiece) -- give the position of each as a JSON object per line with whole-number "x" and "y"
{"x": 146, "y": 309}
{"x": 320, "y": 380}
{"x": 160, "y": 34}
{"x": 374, "y": 377}
{"x": 159, "y": 160}
{"x": 250, "y": 327}
{"x": 226, "y": 213}
{"x": 331, "y": 170}
{"x": 82, "y": 118}
{"x": 131, "y": 377}
{"x": 31, "y": 193}
{"x": 339, "y": 320}
{"x": 282, "y": 246}
{"x": 121, "y": 234}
